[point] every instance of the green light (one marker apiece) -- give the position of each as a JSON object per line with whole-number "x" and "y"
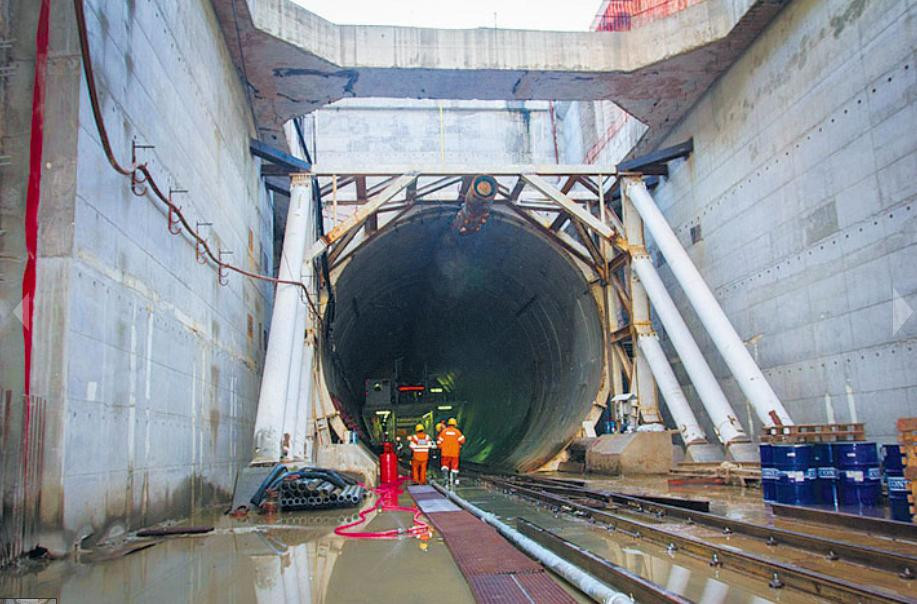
{"x": 444, "y": 407}
{"x": 436, "y": 390}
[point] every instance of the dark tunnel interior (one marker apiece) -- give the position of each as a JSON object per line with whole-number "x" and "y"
{"x": 502, "y": 315}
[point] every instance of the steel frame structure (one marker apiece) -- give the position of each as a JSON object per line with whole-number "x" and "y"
{"x": 571, "y": 205}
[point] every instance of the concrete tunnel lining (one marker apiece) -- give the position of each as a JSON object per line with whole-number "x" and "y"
{"x": 504, "y": 311}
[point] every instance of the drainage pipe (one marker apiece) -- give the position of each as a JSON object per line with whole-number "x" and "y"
{"x": 747, "y": 373}
{"x": 580, "y": 579}
{"x": 675, "y": 400}
{"x": 273, "y": 395}
{"x": 724, "y": 419}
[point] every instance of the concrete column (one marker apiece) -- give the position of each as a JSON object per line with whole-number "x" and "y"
{"x": 724, "y": 419}
{"x": 747, "y": 373}
{"x": 273, "y": 396}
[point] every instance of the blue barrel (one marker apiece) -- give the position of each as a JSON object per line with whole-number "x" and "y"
{"x": 796, "y": 479}
{"x": 897, "y": 483}
{"x": 858, "y": 476}
{"x": 769, "y": 473}
{"x": 826, "y": 474}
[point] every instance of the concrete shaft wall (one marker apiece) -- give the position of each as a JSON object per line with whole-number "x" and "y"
{"x": 800, "y": 195}
{"x": 369, "y": 132}
{"x": 151, "y": 368}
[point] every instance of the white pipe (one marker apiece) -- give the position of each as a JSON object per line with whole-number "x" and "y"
{"x": 747, "y": 373}
{"x": 577, "y": 577}
{"x": 304, "y": 421}
{"x": 272, "y": 398}
{"x": 719, "y": 410}
{"x": 291, "y": 407}
{"x": 675, "y": 400}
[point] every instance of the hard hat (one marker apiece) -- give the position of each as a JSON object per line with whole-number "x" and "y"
{"x": 418, "y": 428}
{"x": 440, "y": 426}
{"x": 452, "y": 421}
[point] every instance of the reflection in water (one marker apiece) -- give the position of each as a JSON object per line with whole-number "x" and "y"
{"x": 290, "y": 557}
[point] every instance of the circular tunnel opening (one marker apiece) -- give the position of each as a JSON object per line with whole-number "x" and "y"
{"x": 499, "y": 326}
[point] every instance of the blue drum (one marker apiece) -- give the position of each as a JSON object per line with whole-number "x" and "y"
{"x": 897, "y": 483}
{"x": 769, "y": 473}
{"x": 797, "y": 474}
{"x": 858, "y": 476}
{"x": 826, "y": 474}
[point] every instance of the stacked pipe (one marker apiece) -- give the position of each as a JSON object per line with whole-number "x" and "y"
{"x": 314, "y": 494}
{"x": 309, "y": 489}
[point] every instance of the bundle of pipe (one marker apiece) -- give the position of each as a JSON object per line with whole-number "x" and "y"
{"x": 314, "y": 494}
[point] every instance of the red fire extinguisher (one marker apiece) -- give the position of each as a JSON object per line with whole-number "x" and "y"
{"x": 388, "y": 464}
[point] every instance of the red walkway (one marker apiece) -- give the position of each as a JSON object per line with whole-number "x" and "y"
{"x": 496, "y": 571}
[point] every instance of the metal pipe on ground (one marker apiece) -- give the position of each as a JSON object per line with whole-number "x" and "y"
{"x": 747, "y": 373}
{"x": 577, "y": 577}
{"x": 725, "y": 421}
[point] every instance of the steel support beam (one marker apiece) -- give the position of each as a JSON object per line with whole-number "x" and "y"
{"x": 362, "y": 214}
{"x": 274, "y": 382}
{"x": 747, "y": 373}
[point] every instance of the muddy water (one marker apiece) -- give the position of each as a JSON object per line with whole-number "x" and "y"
{"x": 678, "y": 572}
{"x": 292, "y": 557}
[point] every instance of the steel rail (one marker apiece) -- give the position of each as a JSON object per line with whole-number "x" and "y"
{"x": 881, "y": 526}
{"x": 640, "y": 589}
{"x": 902, "y": 564}
{"x": 779, "y": 574}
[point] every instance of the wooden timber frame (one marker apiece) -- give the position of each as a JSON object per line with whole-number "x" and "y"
{"x": 577, "y": 207}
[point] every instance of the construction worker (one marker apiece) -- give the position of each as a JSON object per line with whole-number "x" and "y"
{"x": 420, "y": 444}
{"x": 450, "y": 443}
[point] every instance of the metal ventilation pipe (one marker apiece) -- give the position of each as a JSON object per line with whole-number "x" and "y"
{"x": 747, "y": 373}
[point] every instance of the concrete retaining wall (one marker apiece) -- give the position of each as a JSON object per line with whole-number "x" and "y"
{"x": 369, "y": 132}
{"x": 801, "y": 196}
{"x": 150, "y": 366}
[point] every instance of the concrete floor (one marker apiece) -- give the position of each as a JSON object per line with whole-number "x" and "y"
{"x": 296, "y": 557}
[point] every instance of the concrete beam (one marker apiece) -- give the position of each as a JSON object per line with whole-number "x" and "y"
{"x": 296, "y": 62}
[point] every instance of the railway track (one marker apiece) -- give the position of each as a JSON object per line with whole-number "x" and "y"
{"x": 642, "y": 519}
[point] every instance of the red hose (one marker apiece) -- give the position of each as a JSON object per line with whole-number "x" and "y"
{"x": 386, "y": 493}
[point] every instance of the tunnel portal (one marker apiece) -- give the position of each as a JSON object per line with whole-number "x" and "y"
{"x": 500, "y": 322}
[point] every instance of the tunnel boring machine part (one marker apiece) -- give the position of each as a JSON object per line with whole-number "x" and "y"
{"x": 579, "y": 578}
{"x": 708, "y": 388}
{"x": 269, "y": 419}
{"x": 747, "y": 373}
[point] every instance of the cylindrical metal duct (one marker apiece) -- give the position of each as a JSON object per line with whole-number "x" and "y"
{"x": 675, "y": 400}
{"x": 747, "y": 373}
{"x": 719, "y": 410}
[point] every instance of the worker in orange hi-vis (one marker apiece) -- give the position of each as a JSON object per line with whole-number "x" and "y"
{"x": 420, "y": 444}
{"x": 450, "y": 443}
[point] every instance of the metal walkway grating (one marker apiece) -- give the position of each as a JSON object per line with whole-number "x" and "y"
{"x": 496, "y": 571}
